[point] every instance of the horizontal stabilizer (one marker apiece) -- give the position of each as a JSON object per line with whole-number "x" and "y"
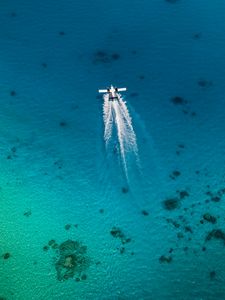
{"x": 102, "y": 91}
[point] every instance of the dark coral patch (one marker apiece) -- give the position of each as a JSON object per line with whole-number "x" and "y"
{"x": 171, "y": 204}
{"x": 215, "y": 234}
{"x": 204, "y": 83}
{"x": 72, "y": 260}
{"x": 103, "y": 57}
{"x": 197, "y": 36}
{"x": 183, "y": 194}
{"x": 44, "y": 65}
{"x": 212, "y": 275}
{"x": 53, "y": 244}
{"x": 215, "y": 199}
{"x": 188, "y": 229}
{"x": 173, "y": 222}
{"x": 6, "y": 255}
{"x": 165, "y": 259}
{"x": 115, "y": 56}
{"x": 177, "y": 100}
{"x": 209, "y": 218}
{"x": 180, "y": 235}
{"x": 215, "y": 196}
{"x": 122, "y": 250}
{"x": 145, "y": 212}
{"x": 45, "y": 248}
{"x": 63, "y": 124}
{"x": 84, "y": 277}
{"x": 67, "y": 226}
{"x": 181, "y": 146}
{"x": 116, "y": 232}
{"x": 27, "y": 213}
{"x": 124, "y": 190}
{"x": 175, "y": 174}
{"x": 13, "y": 93}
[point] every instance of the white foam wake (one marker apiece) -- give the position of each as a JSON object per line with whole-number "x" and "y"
{"x": 116, "y": 117}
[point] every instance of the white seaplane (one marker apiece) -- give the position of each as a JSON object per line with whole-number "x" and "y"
{"x": 113, "y": 92}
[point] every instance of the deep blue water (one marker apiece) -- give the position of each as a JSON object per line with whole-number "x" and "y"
{"x": 71, "y": 227}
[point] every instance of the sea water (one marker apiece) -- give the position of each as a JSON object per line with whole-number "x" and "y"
{"x": 76, "y": 221}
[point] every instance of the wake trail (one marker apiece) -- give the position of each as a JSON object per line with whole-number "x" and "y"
{"x": 121, "y": 135}
{"x": 117, "y": 119}
{"x": 107, "y": 118}
{"x": 122, "y": 150}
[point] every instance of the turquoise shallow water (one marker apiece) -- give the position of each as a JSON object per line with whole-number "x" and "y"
{"x": 161, "y": 237}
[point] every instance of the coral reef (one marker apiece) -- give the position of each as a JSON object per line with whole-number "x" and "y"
{"x": 171, "y": 203}
{"x": 209, "y": 218}
{"x": 165, "y": 259}
{"x": 216, "y": 234}
{"x": 117, "y": 233}
{"x": 102, "y": 57}
{"x": 6, "y": 255}
{"x": 72, "y": 261}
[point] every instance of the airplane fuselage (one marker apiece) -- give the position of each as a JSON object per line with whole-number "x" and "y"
{"x": 113, "y": 95}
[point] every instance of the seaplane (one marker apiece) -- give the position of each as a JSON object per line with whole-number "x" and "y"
{"x": 113, "y": 92}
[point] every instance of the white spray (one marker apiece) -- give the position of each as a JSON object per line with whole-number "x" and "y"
{"x": 116, "y": 117}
